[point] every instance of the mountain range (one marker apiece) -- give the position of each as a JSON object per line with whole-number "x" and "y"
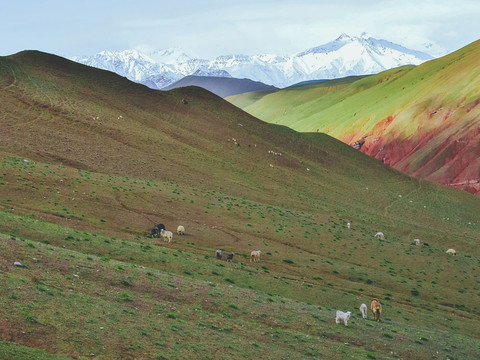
{"x": 345, "y": 56}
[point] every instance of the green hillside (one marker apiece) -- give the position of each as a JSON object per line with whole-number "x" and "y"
{"x": 90, "y": 162}
{"x": 420, "y": 120}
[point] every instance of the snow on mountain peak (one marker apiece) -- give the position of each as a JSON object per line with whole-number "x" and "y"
{"x": 345, "y": 56}
{"x": 344, "y": 37}
{"x": 170, "y": 56}
{"x": 212, "y": 73}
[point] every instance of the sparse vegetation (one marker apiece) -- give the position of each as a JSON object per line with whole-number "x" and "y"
{"x": 93, "y": 282}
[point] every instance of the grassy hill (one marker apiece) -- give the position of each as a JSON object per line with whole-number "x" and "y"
{"x": 91, "y": 162}
{"x": 420, "y": 120}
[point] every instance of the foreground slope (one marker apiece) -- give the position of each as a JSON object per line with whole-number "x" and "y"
{"x": 422, "y": 120}
{"x": 91, "y": 162}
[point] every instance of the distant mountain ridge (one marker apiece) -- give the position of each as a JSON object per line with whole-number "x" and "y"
{"x": 345, "y": 56}
{"x": 221, "y": 86}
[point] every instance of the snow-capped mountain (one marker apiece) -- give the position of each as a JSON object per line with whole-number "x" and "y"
{"x": 345, "y": 56}
{"x": 169, "y": 56}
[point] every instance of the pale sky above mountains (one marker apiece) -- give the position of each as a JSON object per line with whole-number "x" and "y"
{"x": 210, "y": 28}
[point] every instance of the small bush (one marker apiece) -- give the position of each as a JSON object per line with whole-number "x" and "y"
{"x": 126, "y": 282}
{"x": 31, "y": 319}
{"x": 172, "y": 315}
{"x": 126, "y": 297}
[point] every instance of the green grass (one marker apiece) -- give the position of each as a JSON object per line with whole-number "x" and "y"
{"x": 418, "y": 119}
{"x": 14, "y": 352}
{"x": 84, "y": 299}
{"x": 78, "y": 216}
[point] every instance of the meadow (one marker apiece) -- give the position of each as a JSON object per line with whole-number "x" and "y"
{"x": 91, "y": 162}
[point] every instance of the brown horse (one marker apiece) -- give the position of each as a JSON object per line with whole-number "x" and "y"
{"x": 376, "y": 309}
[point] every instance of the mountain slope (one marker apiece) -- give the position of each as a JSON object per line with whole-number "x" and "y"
{"x": 91, "y": 162}
{"x": 221, "y": 86}
{"x": 420, "y": 120}
{"x": 346, "y": 56}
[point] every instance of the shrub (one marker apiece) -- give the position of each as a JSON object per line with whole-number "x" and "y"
{"x": 172, "y": 315}
{"x": 31, "y": 319}
{"x": 126, "y": 297}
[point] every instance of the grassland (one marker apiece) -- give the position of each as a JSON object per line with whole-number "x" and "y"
{"x": 421, "y": 120}
{"x": 91, "y": 162}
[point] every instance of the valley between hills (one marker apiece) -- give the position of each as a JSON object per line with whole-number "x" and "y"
{"x": 91, "y": 162}
{"x": 421, "y": 120}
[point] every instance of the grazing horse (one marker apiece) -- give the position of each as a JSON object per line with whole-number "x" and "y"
{"x": 363, "y": 310}
{"x": 255, "y": 255}
{"x": 376, "y": 309}
{"x": 155, "y": 231}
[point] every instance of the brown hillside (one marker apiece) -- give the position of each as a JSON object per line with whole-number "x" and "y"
{"x": 59, "y": 112}
{"x": 91, "y": 162}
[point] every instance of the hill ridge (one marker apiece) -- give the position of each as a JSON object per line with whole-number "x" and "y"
{"x": 221, "y": 86}
{"x": 412, "y": 118}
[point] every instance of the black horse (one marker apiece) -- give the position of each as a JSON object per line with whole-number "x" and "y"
{"x": 155, "y": 232}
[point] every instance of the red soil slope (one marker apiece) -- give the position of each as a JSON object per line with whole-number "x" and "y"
{"x": 448, "y": 154}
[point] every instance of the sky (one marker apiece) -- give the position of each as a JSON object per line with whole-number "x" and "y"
{"x": 210, "y": 28}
